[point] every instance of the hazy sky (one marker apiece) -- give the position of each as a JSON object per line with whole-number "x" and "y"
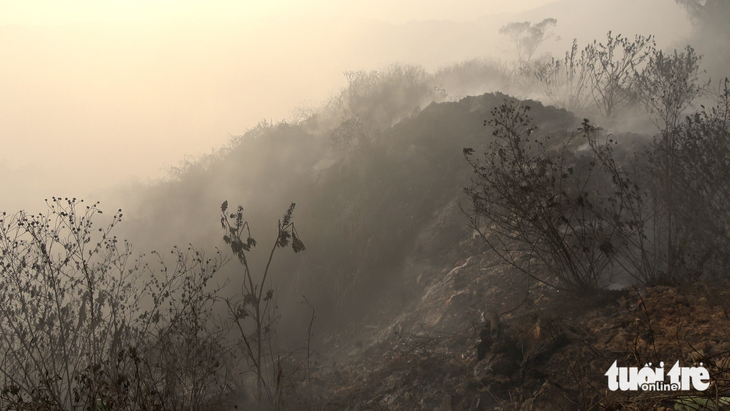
{"x": 96, "y": 93}
{"x": 249, "y": 11}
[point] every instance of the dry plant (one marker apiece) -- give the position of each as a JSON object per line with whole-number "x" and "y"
{"x": 565, "y": 82}
{"x": 689, "y": 188}
{"x": 545, "y": 210}
{"x": 668, "y": 85}
{"x": 66, "y": 304}
{"x": 254, "y": 313}
{"x": 601, "y": 77}
{"x": 612, "y": 69}
{"x": 73, "y": 334}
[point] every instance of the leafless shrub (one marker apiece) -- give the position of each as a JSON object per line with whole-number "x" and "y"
{"x": 549, "y": 212}
{"x": 73, "y": 334}
{"x": 690, "y": 189}
{"x": 668, "y": 85}
{"x": 601, "y": 77}
{"x": 566, "y": 82}
{"x": 613, "y": 66}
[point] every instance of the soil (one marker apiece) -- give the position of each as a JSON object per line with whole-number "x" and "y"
{"x": 551, "y": 351}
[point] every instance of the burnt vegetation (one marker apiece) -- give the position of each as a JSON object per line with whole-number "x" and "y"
{"x": 553, "y": 202}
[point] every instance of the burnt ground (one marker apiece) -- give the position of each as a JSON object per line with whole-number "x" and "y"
{"x": 551, "y": 352}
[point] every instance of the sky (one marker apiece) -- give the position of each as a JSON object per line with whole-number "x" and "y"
{"x": 105, "y": 93}
{"x": 50, "y": 12}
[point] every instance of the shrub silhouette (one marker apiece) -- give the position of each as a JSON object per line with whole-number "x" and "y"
{"x": 601, "y": 77}
{"x": 80, "y": 329}
{"x": 572, "y": 216}
{"x": 566, "y": 82}
{"x": 256, "y": 308}
{"x": 668, "y": 84}
{"x": 689, "y": 186}
{"x": 548, "y": 210}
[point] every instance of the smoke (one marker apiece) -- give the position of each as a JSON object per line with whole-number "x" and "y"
{"x": 710, "y": 34}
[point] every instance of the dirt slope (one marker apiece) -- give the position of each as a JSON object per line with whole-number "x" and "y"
{"x": 551, "y": 352}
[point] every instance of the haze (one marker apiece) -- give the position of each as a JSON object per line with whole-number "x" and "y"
{"x": 94, "y": 95}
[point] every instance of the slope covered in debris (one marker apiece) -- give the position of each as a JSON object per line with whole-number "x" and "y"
{"x": 551, "y": 352}
{"x": 406, "y": 295}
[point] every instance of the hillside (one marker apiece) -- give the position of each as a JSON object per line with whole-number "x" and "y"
{"x": 545, "y": 233}
{"x": 449, "y": 253}
{"x": 551, "y": 352}
{"x": 363, "y": 211}
{"x": 409, "y": 329}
